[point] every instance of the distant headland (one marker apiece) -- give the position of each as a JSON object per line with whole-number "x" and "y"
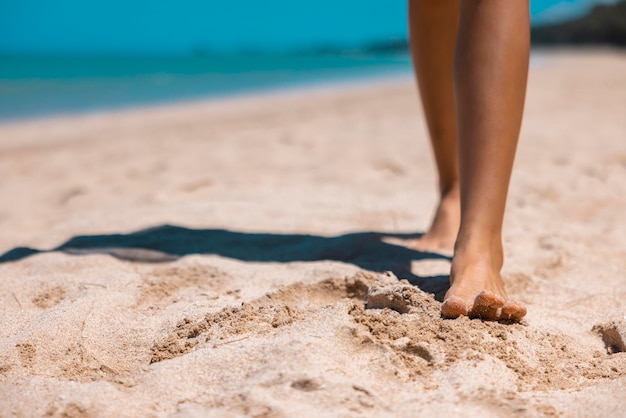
{"x": 603, "y": 25}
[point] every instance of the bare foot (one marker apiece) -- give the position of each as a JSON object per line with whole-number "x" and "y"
{"x": 442, "y": 233}
{"x": 477, "y": 290}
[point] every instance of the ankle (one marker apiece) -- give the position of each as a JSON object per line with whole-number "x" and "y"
{"x": 484, "y": 251}
{"x": 450, "y": 191}
{"x": 450, "y": 204}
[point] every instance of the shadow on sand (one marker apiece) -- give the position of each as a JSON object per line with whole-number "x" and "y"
{"x": 367, "y": 250}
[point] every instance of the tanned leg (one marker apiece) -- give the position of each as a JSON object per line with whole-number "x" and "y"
{"x": 433, "y": 31}
{"x": 490, "y": 72}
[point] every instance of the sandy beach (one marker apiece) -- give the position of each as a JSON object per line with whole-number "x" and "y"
{"x": 247, "y": 257}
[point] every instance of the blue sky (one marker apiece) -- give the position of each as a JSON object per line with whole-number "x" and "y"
{"x": 178, "y": 27}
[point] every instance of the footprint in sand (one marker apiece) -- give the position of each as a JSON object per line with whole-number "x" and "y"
{"x": 613, "y": 335}
{"x": 260, "y": 316}
{"x": 162, "y": 284}
{"x": 49, "y": 297}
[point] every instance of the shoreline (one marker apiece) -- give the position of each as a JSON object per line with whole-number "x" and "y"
{"x": 79, "y": 85}
{"x": 224, "y": 105}
{"x": 311, "y": 87}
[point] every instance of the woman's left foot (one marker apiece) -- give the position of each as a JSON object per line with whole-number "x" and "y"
{"x": 442, "y": 233}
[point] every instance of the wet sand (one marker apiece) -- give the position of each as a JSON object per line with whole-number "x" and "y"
{"x": 227, "y": 259}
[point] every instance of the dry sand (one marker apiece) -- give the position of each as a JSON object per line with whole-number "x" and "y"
{"x": 215, "y": 259}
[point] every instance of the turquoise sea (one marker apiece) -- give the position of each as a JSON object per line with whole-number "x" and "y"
{"x": 39, "y": 86}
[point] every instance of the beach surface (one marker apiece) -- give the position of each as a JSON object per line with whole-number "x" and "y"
{"x": 228, "y": 258}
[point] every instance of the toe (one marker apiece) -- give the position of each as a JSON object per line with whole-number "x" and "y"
{"x": 453, "y": 307}
{"x": 513, "y": 311}
{"x": 487, "y": 306}
{"x": 489, "y": 299}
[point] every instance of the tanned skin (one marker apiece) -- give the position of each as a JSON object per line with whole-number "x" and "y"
{"x": 471, "y": 62}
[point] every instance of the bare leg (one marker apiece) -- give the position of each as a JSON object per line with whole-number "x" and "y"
{"x": 433, "y": 31}
{"x": 490, "y": 72}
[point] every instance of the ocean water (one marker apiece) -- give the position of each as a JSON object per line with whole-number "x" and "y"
{"x": 45, "y": 86}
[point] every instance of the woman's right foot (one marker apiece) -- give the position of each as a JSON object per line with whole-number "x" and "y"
{"x": 445, "y": 226}
{"x": 477, "y": 290}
